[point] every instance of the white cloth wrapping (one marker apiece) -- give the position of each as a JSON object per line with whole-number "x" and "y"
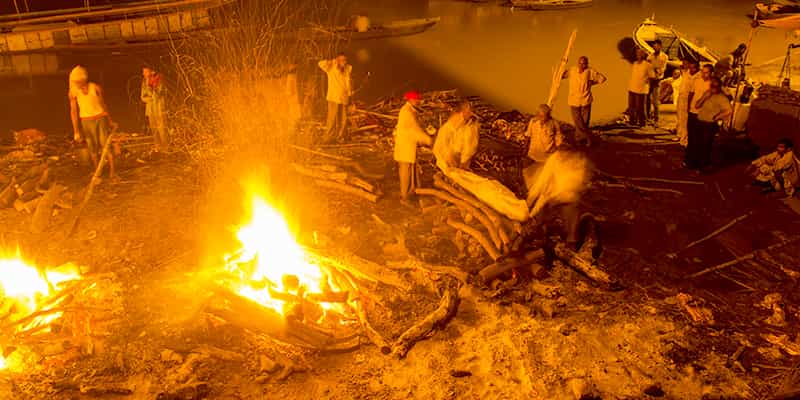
{"x": 491, "y": 192}
{"x": 562, "y": 179}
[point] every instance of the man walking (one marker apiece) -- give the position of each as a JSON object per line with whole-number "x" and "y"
{"x": 339, "y": 91}
{"x": 581, "y": 79}
{"x": 641, "y": 74}
{"x": 153, "y": 95}
{"x": 658, "y": 60}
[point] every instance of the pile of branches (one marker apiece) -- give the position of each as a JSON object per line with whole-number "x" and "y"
{"x": 33, "y": 191}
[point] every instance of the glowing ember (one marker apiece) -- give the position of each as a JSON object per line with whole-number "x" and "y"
{"x": 271, "y": 260}
{"x": 23, "y": 289}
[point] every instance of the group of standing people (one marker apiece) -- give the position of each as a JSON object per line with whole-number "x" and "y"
{"x": 92, "y": 122}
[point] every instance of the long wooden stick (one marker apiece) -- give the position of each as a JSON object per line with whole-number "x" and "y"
{"x": 640, "y": 188}
{"x": 319, "y": 153}
{"x": 648, "y": 179}
{"x": 737, "y": 260}
{"x": 718, "y": 231}
{"x": 497, "y": 221}
{"x": 347, "y": 189}
{"x": 559, "y": 72}
{"x": 447, "y": 308}
{"x": 461, "y": 204}
{"x": 587, "y": 267}
{"x": 92, "y": 184}
{"x": 486, "y": 244}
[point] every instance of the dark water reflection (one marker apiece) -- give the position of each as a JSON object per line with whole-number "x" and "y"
{"x": 501, "y": 54}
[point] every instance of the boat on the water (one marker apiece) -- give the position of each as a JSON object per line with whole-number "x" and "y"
{"x": 109, "y": 27}
{"x": 394, "y": 28}
{"x": 675, "y": 45}
{"x": 550, "y": 5}
{"x": 775, "y": 10}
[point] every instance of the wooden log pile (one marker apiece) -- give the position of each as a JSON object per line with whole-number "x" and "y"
{"x": 34, "y": 191}
{"x": 779, "y": 95}
{"x": 337, "y": 178}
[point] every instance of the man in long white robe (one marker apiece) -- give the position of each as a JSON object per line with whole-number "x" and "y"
{"x": 457, "y": 140}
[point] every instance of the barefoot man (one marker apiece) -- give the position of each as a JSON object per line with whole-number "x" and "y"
{"x": 581, "y": 79}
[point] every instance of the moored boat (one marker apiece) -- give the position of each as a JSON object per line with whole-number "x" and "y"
{"x": 108, "y": 27}
{"x": 675, "y": 45}
{"x": 394, "y": 28}
{"x": 775, "y": 10}
{"x": 550, "y": 5}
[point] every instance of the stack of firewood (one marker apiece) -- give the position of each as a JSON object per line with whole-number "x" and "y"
{"x": 339, "y": 178}
{"x": 779, "y": 95}
{"x": 34, "y": 192}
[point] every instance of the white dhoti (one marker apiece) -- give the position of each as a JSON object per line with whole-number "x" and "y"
{"x": 682, "y": 128}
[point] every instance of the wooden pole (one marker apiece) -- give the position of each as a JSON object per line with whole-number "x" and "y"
{"x": 744, "y": 62}
{"x": 718, "y": 231}
{"x": 559, "y": 72}
{"x": 92, "y": 184}
{"x": 737, "y": 260}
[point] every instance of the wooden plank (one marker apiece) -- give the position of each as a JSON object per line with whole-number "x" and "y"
{"x": 95, "y": 33}
{"x": 186, "y": 21}
{"x": 174, "y": 22}
{"x": 113, "y": 31}
{"x": 78, "y": 35}
{"x": 151, "y": 26}
{"x": 16, "y": 42}
{"x": 126, "y": 27}
{"x": 139, "y": 29}
{"x": 61, "y": 38}
{"x": 46, "y": 38}
{"x": 32, "y": 41}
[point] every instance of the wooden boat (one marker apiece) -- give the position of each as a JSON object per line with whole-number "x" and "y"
{"x": 151, "y": 22}
{"x": 786, "y": 22}
{"x": 395, "y": 28}
{"x": 775, "y": 10}
{"x": 550, "y": 5}
{"x": 675, "y": 45}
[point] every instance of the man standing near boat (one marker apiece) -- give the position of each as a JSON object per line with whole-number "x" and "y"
{"x": 89, "y": 113}
{"x": 713, "y": 107}
{"x": 658, "y": 60}
{"x": 339, "y": 91}
{"x": 700, "y": 86}
{"x": 641, "y": 74}
{"x": 689, "y": 71}
{"x": 581, "y": 79}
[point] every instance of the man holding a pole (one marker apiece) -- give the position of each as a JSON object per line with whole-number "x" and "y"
{"x": 581, "y": 79}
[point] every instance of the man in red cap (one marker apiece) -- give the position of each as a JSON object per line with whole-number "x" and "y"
{"x": 407, "y": 136}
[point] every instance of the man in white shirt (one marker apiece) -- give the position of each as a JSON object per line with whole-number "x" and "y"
{"x": 712, "y": 108}
{"x": 545, "y": 139}
{"x": 659, "y": 62}
{"x": 339, "y": 91}
{"x": 638, "y": 87}
{"x": 779, "y": 170}
{"x": 91, "y": 121}
{"x": 700, "y": 85}
{"x": 407, "y": 136}
{"x": 581, "y": 79}
{"x": 690, "y": 72}
{"x": 457, "y": 140}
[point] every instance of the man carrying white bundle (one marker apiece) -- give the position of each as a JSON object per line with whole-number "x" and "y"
{"x": 457, "y": 141}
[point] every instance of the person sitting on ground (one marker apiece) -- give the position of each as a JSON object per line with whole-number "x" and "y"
{"x": 89, "y": 114}
{"x": 407, "y": 136}
{"x": 457, "y": 140}
{"x": 777, "y": 170}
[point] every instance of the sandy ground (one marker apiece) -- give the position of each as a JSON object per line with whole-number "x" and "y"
{"x": 554, "y": 337}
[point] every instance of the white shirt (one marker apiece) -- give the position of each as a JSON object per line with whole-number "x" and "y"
{"x": 641, "y": 73}
{"x": 407, "y": 135}
{"x": 699, "y": 87}
{"x": 580, "y": 86}
{"x": 659, "y": 63}
{"x": 339, "y": 82}
{"x": 687, "y": 81}
{"x": 456, "y": 143}
{"x": 90, "y": 104}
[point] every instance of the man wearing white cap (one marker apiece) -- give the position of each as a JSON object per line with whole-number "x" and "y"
{"x": 89, "y": 113}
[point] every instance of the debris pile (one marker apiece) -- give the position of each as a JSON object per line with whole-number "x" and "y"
{"x": 33, "y": 191}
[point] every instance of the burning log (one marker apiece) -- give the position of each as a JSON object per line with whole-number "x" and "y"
{"x": 362, "y": 269}
{"x": 27, "y": 206}
{"x": 446, "y": 310}
{"x": 347, "y": 189}
{"x": 488, "y": 273}
{"x": 44, "y": 208}
{"x": 471, "y": 210}
{"x": 587, "y": 267}
{"x": 248, "y": 314}
{"x": 485, "y": 243}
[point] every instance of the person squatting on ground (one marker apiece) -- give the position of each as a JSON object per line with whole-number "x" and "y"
{"x": 581, "y": 79}
{"x": 712, "y": 108}
{"x": 407, "y": 136}
{"x": 638, "y": 88}
{"x": 153, "y": 95}
{"x": 778, "y": 170}
{"x": 457, "y": 140}
{"x": 658, "y": 60}
{"x": 91, "y": 121}
{"x": 339, "y": 91}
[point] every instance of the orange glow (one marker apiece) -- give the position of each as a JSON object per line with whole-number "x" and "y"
{"x": 23, "y": 288}
{"x": 269, "y": 255}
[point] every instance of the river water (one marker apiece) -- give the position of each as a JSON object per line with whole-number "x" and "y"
{"x": 504, "y": 55}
